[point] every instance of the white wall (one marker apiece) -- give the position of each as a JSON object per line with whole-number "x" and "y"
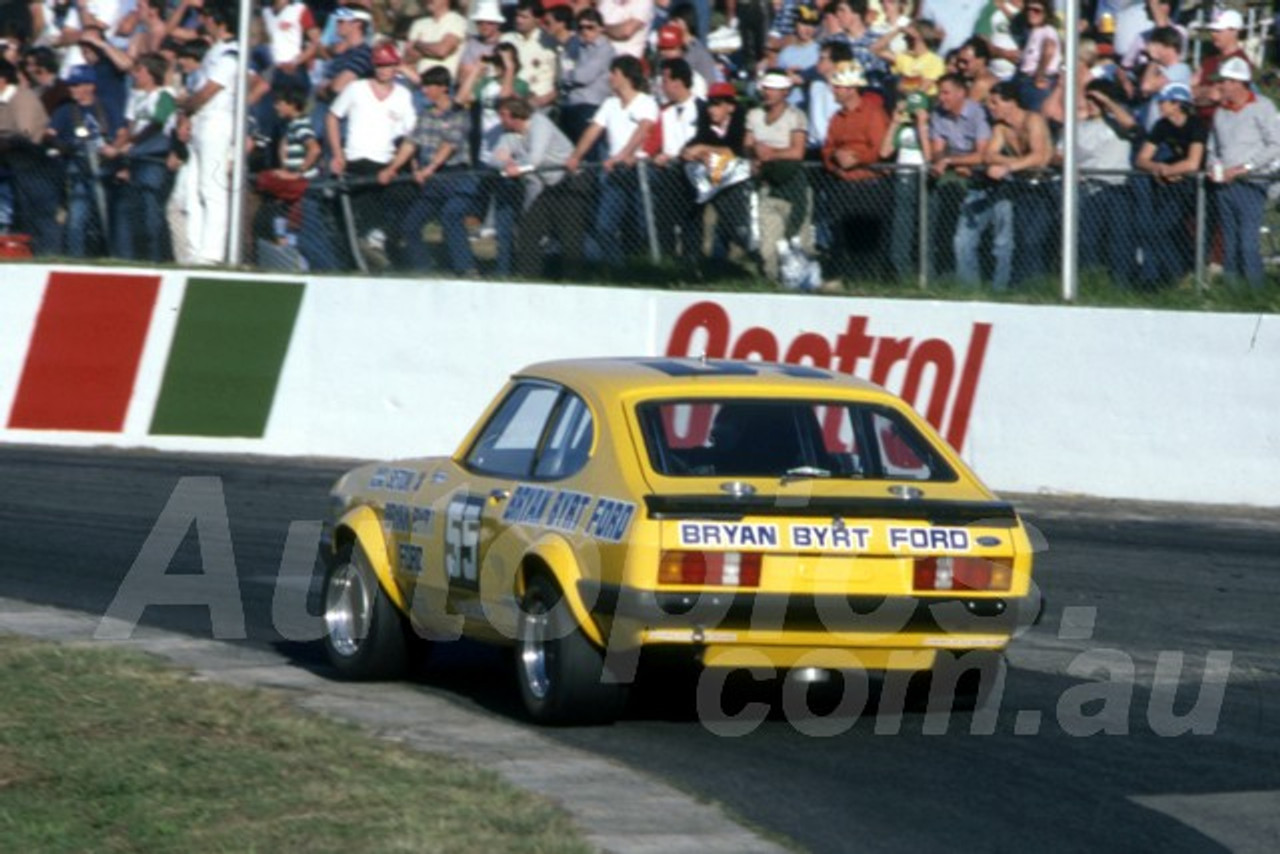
{"x": 1177, "y": 406}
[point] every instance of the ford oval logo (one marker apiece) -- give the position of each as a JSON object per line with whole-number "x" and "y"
{"x": 737, "y": 488}
{"x": 988, "y": 541}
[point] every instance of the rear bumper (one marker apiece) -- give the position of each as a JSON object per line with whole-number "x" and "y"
{"x": 802, "y": 623}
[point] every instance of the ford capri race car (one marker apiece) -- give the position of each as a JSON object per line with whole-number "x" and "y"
{"x": 748, "y": 515}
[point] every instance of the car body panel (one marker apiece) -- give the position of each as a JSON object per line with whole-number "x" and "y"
{"x": 453, "y": 538}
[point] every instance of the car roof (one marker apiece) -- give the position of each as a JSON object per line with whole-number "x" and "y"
{"x": 639, "y": 375}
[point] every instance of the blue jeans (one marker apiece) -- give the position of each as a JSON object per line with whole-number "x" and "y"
{"x": 138, "y": 231}
{"x": 85, "y": 232}
{"x": 1106, "y": 231}
{"x": 1160, "y": 215}
{"x": 979, "y": 213}
{"x": 447, "y": 196}
{"x": 1240, "y": 206}
{"x": 617, "y": 216}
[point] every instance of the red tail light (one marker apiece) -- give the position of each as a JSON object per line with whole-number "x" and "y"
{"x": 962, "y": 573}
{"x": 710, "y": 569}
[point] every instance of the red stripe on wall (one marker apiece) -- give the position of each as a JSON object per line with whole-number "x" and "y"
{"x": 84, "y": 355}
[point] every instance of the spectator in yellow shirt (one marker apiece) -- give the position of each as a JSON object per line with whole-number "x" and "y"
{"x": 919, "y": 67}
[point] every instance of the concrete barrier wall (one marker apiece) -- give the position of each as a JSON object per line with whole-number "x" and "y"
{"x": 1126, "y": 404}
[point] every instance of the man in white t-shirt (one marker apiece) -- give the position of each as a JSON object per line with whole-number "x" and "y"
{"x": 624, "y": 119}
{"x": 212, "y": 111}
{"x": 378, "y": 112}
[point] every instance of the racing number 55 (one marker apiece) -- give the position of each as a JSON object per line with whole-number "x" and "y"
{"x": 462, "y": 540}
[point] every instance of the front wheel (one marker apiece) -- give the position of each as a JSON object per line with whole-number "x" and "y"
{"x": 365, "y": 635}
{"x": 560, "y": 673}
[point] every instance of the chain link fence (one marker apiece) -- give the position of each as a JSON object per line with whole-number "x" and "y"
{"x": 798, "y": 226}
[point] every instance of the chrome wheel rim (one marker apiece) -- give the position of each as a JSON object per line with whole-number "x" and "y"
{"x": 347, "y": 610}
{"x": 533, "y": 651}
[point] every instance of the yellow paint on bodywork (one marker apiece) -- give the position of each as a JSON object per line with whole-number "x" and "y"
{"x": 557, "y": 555}
{"x": 363, "y": 523}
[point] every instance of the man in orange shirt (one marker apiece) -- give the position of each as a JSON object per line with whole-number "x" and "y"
{"x": 855, "y": 200}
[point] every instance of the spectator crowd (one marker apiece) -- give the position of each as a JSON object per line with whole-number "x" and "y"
{"x": 798, "y": 136}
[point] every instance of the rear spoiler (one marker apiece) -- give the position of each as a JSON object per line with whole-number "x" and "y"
{"x": 992, "y": 513}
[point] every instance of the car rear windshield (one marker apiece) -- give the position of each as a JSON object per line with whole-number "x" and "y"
{"x": 742, "y": 437}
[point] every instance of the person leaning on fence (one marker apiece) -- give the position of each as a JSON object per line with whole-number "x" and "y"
{"x": 775, "y": 142}
{"x": 1104, "y": 144}
{"x": 86, "y": 135}
{"x": 299, "y": 157}
{"x": 1164, "y": 191}
{"x": 716, "y": 162}
{"x": 378, "y": 112}
{"x": 676, "y": 214}
{"x": 623, "y": 121}
{"x": 857, "y": 197}
{"x": 959, "y": 133}
{"x": 1020, "y": 149}
{"x": 23, "y": 122}
{"x": 142, "y": 232}
{"x": 535, "y": 201}
{"x": 439, "y": 147}
{"x": 1245, "y": 144}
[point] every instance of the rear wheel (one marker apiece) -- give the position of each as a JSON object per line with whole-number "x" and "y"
{"x": 560, "y": 673}
{"x": 365, "y": 636}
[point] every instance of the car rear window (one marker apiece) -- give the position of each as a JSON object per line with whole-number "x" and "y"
{"x": 744, "y": 437}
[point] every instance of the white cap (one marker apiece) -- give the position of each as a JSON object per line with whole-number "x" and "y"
{"x": 775, "y": 79}
{"x": 488, "y": 10}
{"x": 1227, "y": 19}
{"x": 1236, "y": 68}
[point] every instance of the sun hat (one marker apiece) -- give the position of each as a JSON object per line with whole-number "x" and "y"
{"x": 1235, "y": 68}
{"x": 775, "y": 78}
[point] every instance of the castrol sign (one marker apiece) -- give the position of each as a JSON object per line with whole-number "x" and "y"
{"x": 938, "y": 376}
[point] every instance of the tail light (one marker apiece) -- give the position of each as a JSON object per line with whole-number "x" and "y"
{"x": 710, "y": 569}
{"x": 962, "y": 573}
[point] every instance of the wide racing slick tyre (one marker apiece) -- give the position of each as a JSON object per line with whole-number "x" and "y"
{"x": 561, "y": 674}
{"x": 365, "y": 636}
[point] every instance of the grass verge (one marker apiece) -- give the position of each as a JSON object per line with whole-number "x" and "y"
{"x": 110, "y": 751}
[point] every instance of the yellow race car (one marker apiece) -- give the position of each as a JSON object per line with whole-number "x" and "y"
{"x": 749, "y": 515}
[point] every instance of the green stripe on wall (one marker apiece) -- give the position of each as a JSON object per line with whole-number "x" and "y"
{"x": 227, "y": 352}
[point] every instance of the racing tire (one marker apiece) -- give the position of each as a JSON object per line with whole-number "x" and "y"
{"x": 560, "y": 673}
{"x": 365, "y": 636}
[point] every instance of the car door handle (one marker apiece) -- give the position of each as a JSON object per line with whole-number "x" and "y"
{"x": 497, "y": 495}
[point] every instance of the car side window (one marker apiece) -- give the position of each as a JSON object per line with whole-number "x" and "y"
{"x": 508, "y": 443}
{"x": 569, "y": 444}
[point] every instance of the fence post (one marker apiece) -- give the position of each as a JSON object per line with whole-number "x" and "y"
{"x": 923, "y": 197}
{"x": 1202, "y": 230}
{"x": 646, "y": 202}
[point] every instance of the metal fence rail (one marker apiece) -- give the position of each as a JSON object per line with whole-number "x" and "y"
{"x": 798, "y": 226}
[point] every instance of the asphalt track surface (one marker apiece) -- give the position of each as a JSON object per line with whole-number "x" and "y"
{"x": 1149, "y": 609}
